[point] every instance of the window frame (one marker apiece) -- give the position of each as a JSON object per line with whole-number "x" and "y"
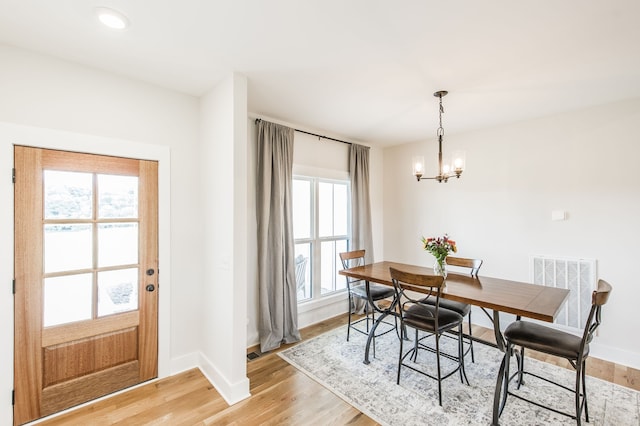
{"x": 315, "y": 241}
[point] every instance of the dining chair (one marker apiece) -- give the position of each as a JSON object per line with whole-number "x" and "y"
{"x": 464, "y": 309}
{"x": 541, "y": 338}
{"x": 412, "y": 291}
{"x": 370, "y": 293}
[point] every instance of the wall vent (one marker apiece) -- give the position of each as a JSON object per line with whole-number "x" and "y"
{"x": 576, "y": 275}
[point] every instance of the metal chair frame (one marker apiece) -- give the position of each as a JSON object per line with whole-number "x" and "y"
{"x": 598, "y": 298}
{"x": 474, "y": 266}
{"x": 431, "y": 285}
{"x": 356, "y": 258}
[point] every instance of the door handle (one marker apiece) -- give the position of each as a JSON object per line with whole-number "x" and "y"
{"x": 150, "y": 287}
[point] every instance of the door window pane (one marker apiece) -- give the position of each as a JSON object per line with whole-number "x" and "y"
{"x": 67, "y": 247}
{"x": 67, "y": 195}
{"x": 117, "y": 196}
{"x": 67, "y": 299}
{"x": 117, "y": 244}
{"x": 117, "y": 291}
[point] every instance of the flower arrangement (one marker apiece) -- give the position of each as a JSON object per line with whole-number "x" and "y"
{"x": 439, "y": 247}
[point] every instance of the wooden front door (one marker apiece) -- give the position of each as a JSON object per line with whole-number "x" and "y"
{"x": 86, "y": 278}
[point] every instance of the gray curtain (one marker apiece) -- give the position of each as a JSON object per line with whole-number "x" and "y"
{"x": 278, "y": 316}
{"x": 361, "y": 237}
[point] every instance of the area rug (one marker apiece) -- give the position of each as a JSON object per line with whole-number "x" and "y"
{"x": 337, "y": 365}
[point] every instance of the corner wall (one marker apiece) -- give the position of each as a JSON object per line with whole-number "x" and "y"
{"x": 223, "y": 298}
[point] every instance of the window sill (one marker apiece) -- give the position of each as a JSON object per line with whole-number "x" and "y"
{"x": 311, "y": 305}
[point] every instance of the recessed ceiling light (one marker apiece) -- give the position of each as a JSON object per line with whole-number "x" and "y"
{"x": 112, "y": 18}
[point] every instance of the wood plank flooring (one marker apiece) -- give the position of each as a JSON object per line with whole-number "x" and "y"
{"x": 280, "y": 394}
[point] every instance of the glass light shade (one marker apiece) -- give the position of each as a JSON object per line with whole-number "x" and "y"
{"x": 458, "y": 162}
{"x": 418, "y": 166}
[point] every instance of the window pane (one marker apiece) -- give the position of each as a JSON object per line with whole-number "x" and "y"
{"x": 117, "y": 291}
{"x": 301, "y": 208}
{"x": 327, "y": 260}
{"x": 340, "y": 211}
{"x": 117, "y": 196}
{"x": 341, "y": 280}
{"x": 67, "y": 299}
{"x": 325, "y": 209}
{"x": 67, "y": 195}
{"x": 117, "y": 244}
{"x": 303, "y": 269}
{"x": 67, "y": 247}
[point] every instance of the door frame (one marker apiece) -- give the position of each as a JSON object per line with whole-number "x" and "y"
{"x": 10, "y": 135}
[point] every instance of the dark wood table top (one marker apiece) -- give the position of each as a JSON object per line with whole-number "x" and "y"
{"x": 515, "y": 297}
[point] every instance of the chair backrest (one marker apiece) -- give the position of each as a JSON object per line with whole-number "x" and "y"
{"x": 427, "y": 286}
{"x": 463, "y": 262}
{"x": 351, "y": 259}
{"x": 599, "y": 297}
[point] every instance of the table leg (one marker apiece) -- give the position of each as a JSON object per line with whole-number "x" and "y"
{"x": 372, "y": 332}
{"x": 496, "y": 331}
{"x": 383, "y": 314}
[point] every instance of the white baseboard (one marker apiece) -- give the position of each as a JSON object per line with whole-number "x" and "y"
{"x": 231, "y": 392}
{"x": 184, "y": 363}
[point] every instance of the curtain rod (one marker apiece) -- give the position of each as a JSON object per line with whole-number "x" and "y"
{"x": 313, "y": 134}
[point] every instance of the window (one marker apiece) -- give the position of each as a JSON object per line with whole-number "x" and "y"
{"x": 321, "y": 227}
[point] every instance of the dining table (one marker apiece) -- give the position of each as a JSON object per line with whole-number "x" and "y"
{"x": 497, "y": 294}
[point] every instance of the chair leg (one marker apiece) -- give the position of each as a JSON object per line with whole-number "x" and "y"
{"x": 350, "y": 308}
{"x": 578, "y": 386}
{"x": 584, "y": 390}
{"x": 521, "y": 368}
{"x": 414, "y": 356}
{"x": 399, "y": 360}
{"x": 438, "y": 363}
{"x": 463, "y": 373}
{"x": 507, "y": 358}
{"x": 473, "y": 359}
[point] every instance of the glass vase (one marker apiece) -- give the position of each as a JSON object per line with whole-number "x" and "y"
{"x": 440, "y": 267}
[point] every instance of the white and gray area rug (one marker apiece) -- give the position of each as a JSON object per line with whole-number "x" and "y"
{"x": 337, "y": 365}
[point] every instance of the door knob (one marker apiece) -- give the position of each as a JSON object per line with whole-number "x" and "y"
{"x": 150, "y": 287}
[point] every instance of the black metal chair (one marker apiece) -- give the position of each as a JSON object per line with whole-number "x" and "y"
{"x": 463, "y": 309}
{"x": 426, "y": 317}
{"x": 370, "y": 293}
{"x": 559, "y": 343}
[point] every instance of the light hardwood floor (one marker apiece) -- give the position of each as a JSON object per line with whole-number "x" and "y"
{"x": 280, "y": 394}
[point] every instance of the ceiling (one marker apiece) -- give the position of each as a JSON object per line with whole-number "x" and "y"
{"x": 364, "y": 70}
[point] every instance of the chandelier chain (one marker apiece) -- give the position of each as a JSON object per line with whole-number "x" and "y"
{"x": 440, "y": 131}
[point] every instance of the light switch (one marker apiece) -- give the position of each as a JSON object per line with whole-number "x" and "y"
{"x": 558, "y": 215}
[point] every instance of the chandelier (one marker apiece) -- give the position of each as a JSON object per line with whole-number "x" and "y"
{"x": 445, "y": 170}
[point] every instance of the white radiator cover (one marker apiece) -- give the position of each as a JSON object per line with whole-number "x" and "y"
{"x": 574, "y": 274}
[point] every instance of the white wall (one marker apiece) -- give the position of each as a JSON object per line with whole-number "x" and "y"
{"x": 223, "y": 166}
{"x": 99, "y": 112}
{"x": 582, "y": 162}
{"x": 316, "y": 157}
